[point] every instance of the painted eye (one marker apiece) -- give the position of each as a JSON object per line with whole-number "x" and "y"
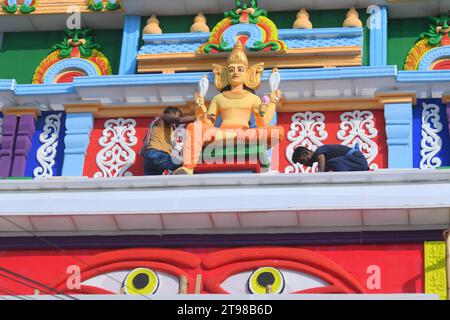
{"x": 141, "y": 281}
{"x": 283, "y": 281}
{"x": 264, "y": 277}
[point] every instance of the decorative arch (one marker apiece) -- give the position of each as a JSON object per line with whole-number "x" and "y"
{"x": 76, "y": 55}
{"x": 74, "y": 66}
{"x": 435, "y": 57}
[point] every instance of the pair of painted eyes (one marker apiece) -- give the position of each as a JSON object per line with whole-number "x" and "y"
{"x": 232, "y": 70}
{"x": 440, "y": 24}
{"x": 143, "y": 281}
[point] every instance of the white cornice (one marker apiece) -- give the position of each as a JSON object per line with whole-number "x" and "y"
{"x": 356, "y": 201}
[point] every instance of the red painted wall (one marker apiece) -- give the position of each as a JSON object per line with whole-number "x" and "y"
{"x": 90, "y": 166}
{"x": 332, "y": 122}
{"x": 401, "y": 266}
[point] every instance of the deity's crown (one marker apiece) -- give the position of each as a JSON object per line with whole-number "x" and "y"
{"x": 238, "y": 55}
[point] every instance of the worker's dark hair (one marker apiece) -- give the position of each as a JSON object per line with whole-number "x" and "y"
{"x": 298, "y": 152}
{"x": 171, "y": 109}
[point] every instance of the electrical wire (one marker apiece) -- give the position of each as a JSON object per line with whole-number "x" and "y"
{"x": 13, "y": 293}
{"x": 62, "y": 250}
{"x": 29, "y": 286}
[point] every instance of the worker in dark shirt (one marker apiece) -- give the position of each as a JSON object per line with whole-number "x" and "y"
{"x": 332, "y": 157}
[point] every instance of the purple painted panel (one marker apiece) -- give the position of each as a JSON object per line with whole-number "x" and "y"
{"x": 6, "y": 152}
{"x": 25, "y": 131}
{"x": 448, "y": 116}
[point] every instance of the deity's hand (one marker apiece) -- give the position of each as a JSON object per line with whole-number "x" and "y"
{"x": 263, "y": 108}
{"x": 275, "y": 96}
{"x": 200, "y": 108}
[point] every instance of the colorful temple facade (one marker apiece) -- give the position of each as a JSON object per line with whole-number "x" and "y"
{"x": 80, "y": 82}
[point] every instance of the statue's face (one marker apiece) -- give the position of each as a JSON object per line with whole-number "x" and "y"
{"x": 236, "y": 74}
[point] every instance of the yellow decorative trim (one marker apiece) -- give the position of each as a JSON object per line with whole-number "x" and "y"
{"x": 61, "y": 7}
{"x": 396, "y": 97}
{"x": 293, "y": 58}
{"x": 416, "y": 54}
{"x": 100, "y": 110}
{"x": 446, "y": 97}
{"x": 435, "y": 268}
{"x": 344, "y": 104}
{"x": 20, "y": 111}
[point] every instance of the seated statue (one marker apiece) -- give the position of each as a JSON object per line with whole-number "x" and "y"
{"x": 236, "y": 103}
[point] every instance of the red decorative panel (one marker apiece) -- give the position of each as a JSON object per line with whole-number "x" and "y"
{"x": 131, "y": 133}
{"x": 335, "y": 127}
{"x": 321, "y": 269}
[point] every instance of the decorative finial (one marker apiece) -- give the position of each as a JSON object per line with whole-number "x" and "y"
{"x": 352, "y": 19}
{"x": 302, "y": 21}
{"x": 200, "y": 24}
{"x": 152, "y": 26}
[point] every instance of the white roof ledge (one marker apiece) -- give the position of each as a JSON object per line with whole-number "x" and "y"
{"x": 230, "y": 203}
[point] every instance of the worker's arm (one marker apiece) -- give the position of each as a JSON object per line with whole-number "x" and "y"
{"x": 321, "y": 162}
{"x": 188, "y": 119}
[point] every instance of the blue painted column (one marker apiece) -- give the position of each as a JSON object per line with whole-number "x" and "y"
{"x": 78, "y": 132}
{"x": 378, "y": 24}
{"x": 130, "y": 42}
{"x": 399, "y": 132}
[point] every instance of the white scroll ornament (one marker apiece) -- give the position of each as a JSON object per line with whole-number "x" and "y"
{"x": 308, "y": 130}
{"x": 46, "y": 153}
{"x": 431, "y": 143}
{"x": 117, "y": 155}
{"x": 358, "y": 127}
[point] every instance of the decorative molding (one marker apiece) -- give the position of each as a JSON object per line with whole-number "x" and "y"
{"x": 293, "y": 58}
{"x": 130, "y": 43}
{"x": 359, "y": 127}
{"x": 58, "y": 7}
{"x": 399, "y": 96}
{"x": 431, "y": 56}
{"x": 307, "y": 129}
{"x": 378, "y": 35}
{"x": 88, "y": 67}
{"x": 294, "y": 39}
{"x": 100, "y": 110}
{"x": 117, "y": 156}
{"x": 78, "y": 131}
{"x": 338, "y": 104}
{"x": 435, "y": 268}
{"x": 399, "y": 134}
{"x": 20, "y": 111}
{"x": 46, "y": 153}
{"x": 431, "y": 143}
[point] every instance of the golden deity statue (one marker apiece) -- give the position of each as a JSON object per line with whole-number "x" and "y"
{"x": 236, "y": 103}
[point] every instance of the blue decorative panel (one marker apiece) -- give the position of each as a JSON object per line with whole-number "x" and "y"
{"x": 430, "y": 134}
{"x": 294, "y": 38}
{"x": 47, "y": 151}
{"x": 399, "y": 124}
{"x": 130, "y": 43}
{"x": 78, "y": 131}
